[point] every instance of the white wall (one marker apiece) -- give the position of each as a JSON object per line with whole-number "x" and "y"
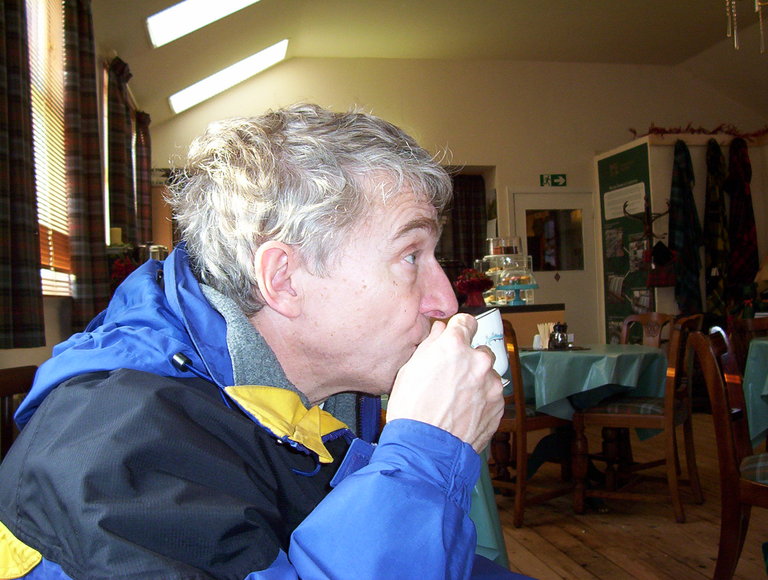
{"x": 523, "y": 118}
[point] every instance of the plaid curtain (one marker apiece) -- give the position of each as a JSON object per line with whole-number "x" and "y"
{"x": 83, "y": 157}
{"x": 744, "y": 261}
{"x": 715, "y": 231}
{"x": 143, "y": 177}
{"x": 21, "y": 296}
{"x": 122, "y": 201}
{"x": 685, "y": 236}
{"x": 464, "y": 232}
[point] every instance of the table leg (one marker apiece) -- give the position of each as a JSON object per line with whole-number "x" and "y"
{"x": 580, "y": 463}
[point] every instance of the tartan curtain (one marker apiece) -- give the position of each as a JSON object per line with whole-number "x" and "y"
{"x": 143, "y": 177}
{"x": 464, "y": 234}
{"x": 83, "y": 158}
{"x": 122, "y": 201}
{"x": 21, "y": 295}
{"x": 715, "y": 231}
{"x": 685, "y": 235}
{"x": 744, "y": 261}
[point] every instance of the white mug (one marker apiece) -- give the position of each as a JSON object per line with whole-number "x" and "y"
{"x": 490, "y": 332}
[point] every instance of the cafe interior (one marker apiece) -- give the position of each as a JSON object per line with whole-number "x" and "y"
{"x": 610, "y": 166}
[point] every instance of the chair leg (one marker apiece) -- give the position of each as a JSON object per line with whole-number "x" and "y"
{"x": 690, "y": 461}
{"x": 734, "y": 521}
{"x": 521, "y": 477}
{"x": 678, "y": 468}
{"x": 672, "y": 465}
{"x": 624, "y": 458}
{"x": 580, "y": 464}
{"x": 612, "y": 456}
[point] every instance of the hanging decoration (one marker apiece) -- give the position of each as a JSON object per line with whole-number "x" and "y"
{"x": 689, "y": 129}
{"x": 732, "y": 28}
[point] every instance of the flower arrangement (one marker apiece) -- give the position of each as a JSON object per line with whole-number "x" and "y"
{"x": 470, "y": 281}
{"x": 120, "y": 269}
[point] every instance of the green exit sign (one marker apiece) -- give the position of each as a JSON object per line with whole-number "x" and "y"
{"x": 553, "y": 180}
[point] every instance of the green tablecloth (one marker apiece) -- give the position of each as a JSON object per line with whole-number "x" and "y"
{"x": 485, "y": 514}
{"x": 559, "y": 381}
{"x": 756, "y": 389}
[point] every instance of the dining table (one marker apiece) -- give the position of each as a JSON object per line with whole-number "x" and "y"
{"x": 755, "y": 385}
{"x": 559, "y": 382}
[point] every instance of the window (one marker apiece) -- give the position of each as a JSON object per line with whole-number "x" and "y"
{"x": 555, "y": 240}
{"x": 45, "y": 25}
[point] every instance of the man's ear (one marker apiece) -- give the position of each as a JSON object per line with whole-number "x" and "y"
{"x": 275, "y": 264}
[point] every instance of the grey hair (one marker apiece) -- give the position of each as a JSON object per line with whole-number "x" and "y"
{"x": 300, "y": 175}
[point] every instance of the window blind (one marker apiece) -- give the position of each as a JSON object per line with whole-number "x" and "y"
{"x": 45, "y": 24}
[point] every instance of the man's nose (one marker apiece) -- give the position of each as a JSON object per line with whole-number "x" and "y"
{"x": 439, "y": 298}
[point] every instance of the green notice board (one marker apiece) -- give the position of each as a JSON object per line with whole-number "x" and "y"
{"x": 624, "y": 181}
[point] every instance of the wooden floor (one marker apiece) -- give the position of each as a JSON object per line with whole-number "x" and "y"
{"x": 635, "y": 539}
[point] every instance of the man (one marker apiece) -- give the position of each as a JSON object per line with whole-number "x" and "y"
{"x": 201, "y": 426}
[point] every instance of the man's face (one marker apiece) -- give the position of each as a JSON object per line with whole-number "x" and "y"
{"x": 367, "y": 316}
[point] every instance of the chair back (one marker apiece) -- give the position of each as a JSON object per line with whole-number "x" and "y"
{"x": 517, "y": 396}
{"x": 14, "y": 383}
{"x": 680, "y": 366}
{"x": 726, "y": 354}
{"x": 652, "y": 323}
{"x": 743, "y": 330}
{"x": 729, "y": 413}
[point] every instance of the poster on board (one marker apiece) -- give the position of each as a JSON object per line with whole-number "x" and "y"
{"x": 624, "y": 183}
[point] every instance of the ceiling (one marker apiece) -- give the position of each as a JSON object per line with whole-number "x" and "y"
{"x": 686, "y": 33}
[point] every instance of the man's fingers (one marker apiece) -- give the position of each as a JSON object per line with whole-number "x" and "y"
{"x": 487, "y": 349}
{"x": 465, "y": 324}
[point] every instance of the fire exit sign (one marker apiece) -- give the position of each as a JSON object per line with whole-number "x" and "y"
{"x": 553, "y": 180}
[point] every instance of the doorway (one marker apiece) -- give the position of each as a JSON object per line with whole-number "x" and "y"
{"x": 560, "y": 229}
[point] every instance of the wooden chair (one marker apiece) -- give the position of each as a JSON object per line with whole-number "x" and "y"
{"x": 664, "y": 413}
{"x": 519, "y": 419}
{"x": 14, "y": 383}
{"x": 743, "y": 479}
{"x": 743, "y": 330}
{"x": 653, "y": 326}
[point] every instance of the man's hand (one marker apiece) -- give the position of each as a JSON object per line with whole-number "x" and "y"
{"x": 450, "y": 385}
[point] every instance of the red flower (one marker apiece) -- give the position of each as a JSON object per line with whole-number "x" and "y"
{"x": 472, "y": 281}
{"x": 121, "y": 268}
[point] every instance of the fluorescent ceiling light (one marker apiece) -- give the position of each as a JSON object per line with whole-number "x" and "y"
{"x": 189, "y": 15}
{"x": 228, "y": 77}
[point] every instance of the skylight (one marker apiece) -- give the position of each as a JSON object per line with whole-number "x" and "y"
{"x": 187, "y": 16}
{"x": 228, "y": 77}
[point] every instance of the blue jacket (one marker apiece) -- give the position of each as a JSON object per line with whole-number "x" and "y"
{"x": 101, "y": 483}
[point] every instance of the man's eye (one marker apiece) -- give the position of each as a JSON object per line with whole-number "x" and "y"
{"x": 410, "y": 258}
